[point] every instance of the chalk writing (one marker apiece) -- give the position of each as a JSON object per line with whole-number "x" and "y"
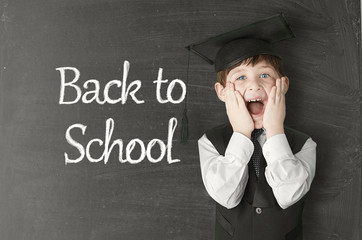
{"x": 93, "y": 95}
{"x": 91, "y": 92}
{"x": 109, "y": 147}
{"x": 170, "y": 87}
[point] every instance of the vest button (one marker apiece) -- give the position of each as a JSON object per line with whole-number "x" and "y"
{"x": 258, "y": 210}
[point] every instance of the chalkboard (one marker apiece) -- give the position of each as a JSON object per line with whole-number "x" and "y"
{"x": 107, "y": 162}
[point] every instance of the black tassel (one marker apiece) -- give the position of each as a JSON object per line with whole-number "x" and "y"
{"x": 185, "y": 119}
{"x": 184, "y": 127}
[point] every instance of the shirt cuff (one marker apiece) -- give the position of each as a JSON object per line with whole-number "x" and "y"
{"x": 277, "y": 148}
{"x": 240, "y": 146}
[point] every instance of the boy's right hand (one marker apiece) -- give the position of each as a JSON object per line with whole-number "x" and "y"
{"x": 237, "y": 111}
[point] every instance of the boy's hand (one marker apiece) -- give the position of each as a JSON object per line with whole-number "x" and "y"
{"x": 274, "y": 114}
{"x": 237, "y": 112}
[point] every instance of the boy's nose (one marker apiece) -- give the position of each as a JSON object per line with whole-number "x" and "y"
{"x": 254, "y": 85}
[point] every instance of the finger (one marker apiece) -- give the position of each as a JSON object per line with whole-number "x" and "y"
{"x": 272, "y": 94}
{"x": 228, "y": 92}
{"x": 242, "y": 106}
{"x": 277, "y": 90}
{"x": 231, "y": 92}
{"x": 281, "y": 89}
{"x": 240, "y": 99}
{"x": 231, "y": 101}
{"x": 282, "y": 85}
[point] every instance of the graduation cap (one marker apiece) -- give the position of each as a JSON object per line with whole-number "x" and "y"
{"x": 253, "y": 39}
{"x": 230, "y": 48}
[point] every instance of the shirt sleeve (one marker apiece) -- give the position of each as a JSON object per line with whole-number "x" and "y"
{"x": 290, "y": 176}
{"x": 225, "y": 177}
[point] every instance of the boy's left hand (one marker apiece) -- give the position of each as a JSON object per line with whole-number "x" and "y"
{"x": 274, "y": 114}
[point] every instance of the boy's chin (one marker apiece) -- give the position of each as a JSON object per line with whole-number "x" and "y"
{"x": 258, "y": 122}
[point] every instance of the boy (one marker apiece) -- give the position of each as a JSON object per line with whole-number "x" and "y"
{"x": 257, "y": 170}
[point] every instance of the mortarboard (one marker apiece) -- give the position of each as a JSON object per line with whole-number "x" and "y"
{"x": 230, "y": 48}
{"x": 253, "y": 39}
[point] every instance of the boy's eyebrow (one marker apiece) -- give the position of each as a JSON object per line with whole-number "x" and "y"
{"x": 238, "y": 69}
{"x": 266, "y": 66}
{"x": 233, "y": 71}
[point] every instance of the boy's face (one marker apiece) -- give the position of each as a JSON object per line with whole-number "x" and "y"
{"x": 254, "y": 83}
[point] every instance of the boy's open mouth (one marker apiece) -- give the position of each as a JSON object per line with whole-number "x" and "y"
{"x": 255, "y": 106}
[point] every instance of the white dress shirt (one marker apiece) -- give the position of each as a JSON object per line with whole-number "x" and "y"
{"x": 225, "y": 177}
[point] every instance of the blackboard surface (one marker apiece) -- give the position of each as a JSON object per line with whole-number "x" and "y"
{"x": 42, "y": 197}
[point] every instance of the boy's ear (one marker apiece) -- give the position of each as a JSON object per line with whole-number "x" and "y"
{"x": 287, "y": 83}
{"x": 220, "y": 91}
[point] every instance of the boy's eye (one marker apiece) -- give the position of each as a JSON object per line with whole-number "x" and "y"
{"x": 264, "y": 75}
{"x": 241, "y": 78}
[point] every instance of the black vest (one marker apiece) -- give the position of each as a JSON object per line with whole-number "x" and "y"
{"x": 258, "y": 216}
